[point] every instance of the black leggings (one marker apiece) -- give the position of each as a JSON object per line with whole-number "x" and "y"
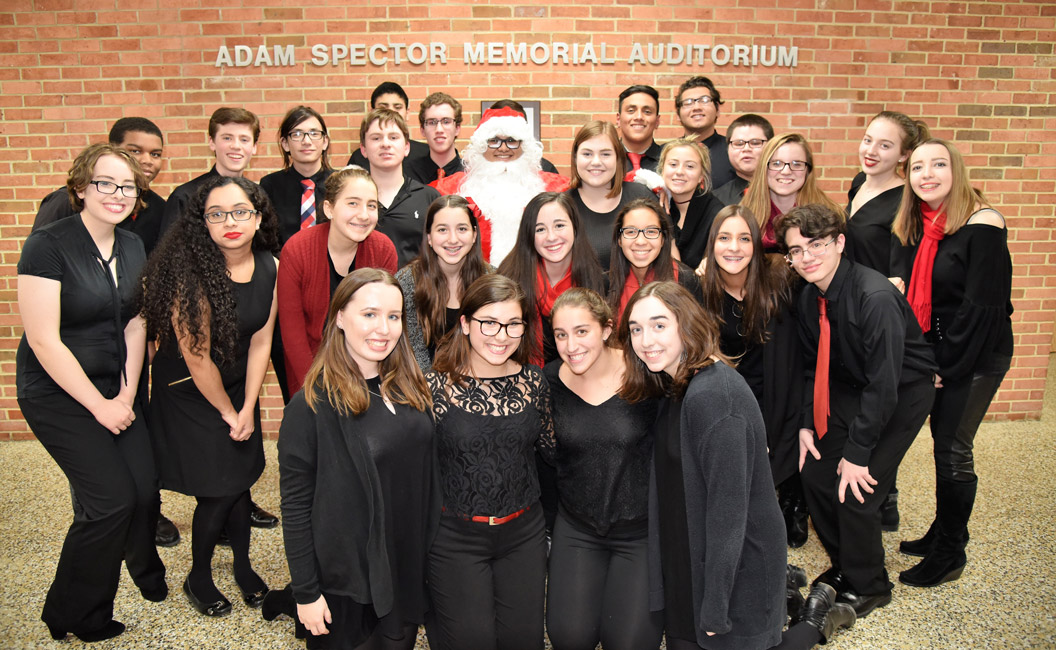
{"x": 598, "y": 590}
{"x": 213, "y": 515}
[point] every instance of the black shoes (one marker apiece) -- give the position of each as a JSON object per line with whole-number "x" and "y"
{"x": 794, "y": 511}
{"x": 278, "y": 602}
{"x": 863, "y": 605}
{"x": 823, "y": 613}
{"x": 920, "y": 547}
{"x": 889, "y": 518}
{"x": 155, "y": 594}
{"x": 794, "y": 580}
{"x": 218, "y": 608}
{"x": 260, "y": 518}
{"x": 166, "y": 533}
{"x": 108, "y": 631}
{"x": 255, "y": 599}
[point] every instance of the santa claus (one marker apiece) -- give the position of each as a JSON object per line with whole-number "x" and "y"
{"x": 502, "y": 173}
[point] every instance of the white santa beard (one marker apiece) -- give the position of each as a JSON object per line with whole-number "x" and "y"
{"x": 501, "y": 191}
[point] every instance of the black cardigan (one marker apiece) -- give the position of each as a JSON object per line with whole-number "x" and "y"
{"x": 333, "y": 518}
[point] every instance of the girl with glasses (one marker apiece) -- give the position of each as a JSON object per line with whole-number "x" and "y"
{"x": 960, "y": 288}
{"x": 360, "y": 500}
{"x": 641, "y": 253}
{"x": 78, "y": 369}
{"x": 487, "y": 565}
{"x": 784, "y": 179}
{"x": 599, "y": 189}
{"x": 433, "y": 284}
{"x": 209, "y": 302}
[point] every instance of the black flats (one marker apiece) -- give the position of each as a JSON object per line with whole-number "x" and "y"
{"x": 255, "y": 599}
{"x": 218, "y": 608}
{"x": 108, "y": 631}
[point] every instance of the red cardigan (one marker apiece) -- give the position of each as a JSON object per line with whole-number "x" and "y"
{"x": 304, "y": 292}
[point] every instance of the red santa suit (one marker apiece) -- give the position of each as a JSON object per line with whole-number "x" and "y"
{"x": 499, "y": 191}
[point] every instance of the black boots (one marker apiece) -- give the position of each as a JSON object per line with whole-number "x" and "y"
{"x": 822, "y": 612}
{"x": 945, "y": 561}
{"x": 794, "y": 510}
{"x": 794, "y": 580}
{"x": 920, "y": 547}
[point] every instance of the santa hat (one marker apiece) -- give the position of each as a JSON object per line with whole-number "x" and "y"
{"x": 502, "y": 121}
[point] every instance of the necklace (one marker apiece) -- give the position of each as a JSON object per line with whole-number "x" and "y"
{"x": 385, "y": 400}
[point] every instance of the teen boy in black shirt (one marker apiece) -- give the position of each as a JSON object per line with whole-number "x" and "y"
{"x": 440, "y": 118}
{"x": 390, "y": 95}
{"x": 863, "y": 408}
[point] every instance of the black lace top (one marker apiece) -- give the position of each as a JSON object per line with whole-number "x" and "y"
{"x": 486, "y": 432}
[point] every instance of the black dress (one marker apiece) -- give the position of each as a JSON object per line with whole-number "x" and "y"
{"x": 598, "y": 226}
{"x": 869, "y": 229}
{"x": 195, "y": 454}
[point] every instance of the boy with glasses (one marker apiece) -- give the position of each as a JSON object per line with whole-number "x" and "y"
{"x": 745, "y": 139}
{"x": 440, "y": 119}
{"x": 697, "y": 104}
{"x": 869, "y": 386}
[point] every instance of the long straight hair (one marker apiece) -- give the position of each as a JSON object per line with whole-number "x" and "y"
{"x": 431, "y": 292}
{"x": 522, "y": 264}
{"x": 757, "y": 196}
{"x": 335, "y": 374}
{"x": 765, "y": 287}
{"x": 453, "y": 355}
{"x": 591, "y": 130}
{"x": 700, "y": 344}
{"x": 959, "y": 204}
{"x": 619, "y": 266}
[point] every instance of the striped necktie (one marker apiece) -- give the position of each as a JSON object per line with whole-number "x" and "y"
{"x": 308, "y": 204}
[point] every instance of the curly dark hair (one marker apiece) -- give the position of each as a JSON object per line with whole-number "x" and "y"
{"x": 186, "y": 276}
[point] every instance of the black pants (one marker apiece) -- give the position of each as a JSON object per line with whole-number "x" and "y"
{"x": 598, "y": 590}
{"x": 114, "y": 479}
{"x": 798, "y": 637}
{"x": 955, "y": 418}
{"x": 487, "y": 584}
{"x": 850, "y": 531}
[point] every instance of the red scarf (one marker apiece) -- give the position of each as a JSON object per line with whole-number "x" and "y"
{"x": 919, "y": 293}
{"x": 769, "y": 232}
{"x": 630, "y": 285}
{"x": 545, "y": 297}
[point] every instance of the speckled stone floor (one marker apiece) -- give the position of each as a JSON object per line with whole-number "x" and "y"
{"x": 1005, "y": 599}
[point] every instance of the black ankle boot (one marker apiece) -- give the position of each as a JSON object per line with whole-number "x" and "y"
{"x": 946, "y": 560}
{"x": 794, "y": 511}
{"x": 823, "y": 613}
{"x": 889, "y": 512}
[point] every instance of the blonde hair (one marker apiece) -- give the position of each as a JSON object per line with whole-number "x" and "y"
{"x": 699, "y": 149}
{"x": 757, "y": 196}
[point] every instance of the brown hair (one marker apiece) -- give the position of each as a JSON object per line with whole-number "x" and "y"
{"x": 293, "y": 117}
{"x": 700, "y": 343}
{"x": 814, "y": 222}
{"x": 384, "y": 117}
{"x": 620, "y": 266}
{"x": 229, "y": 115}
{"x": 430, "y": 283}
{"x": 80, "y": 174}
{"x": 438, "y": 99}
{"x": 697, "y": 148}
{"x": 589, "y": 300}
{"x": 337, "y": 375}
{"x": 913, "y": 131}
{"x": 452, "y": 356}
{"x": 959, "y": 204}
{"x": 757, "y": 196}
{"x": 336, "y": 182}
{"x": 765, "y": 287}
{"x": 593, "y": 129}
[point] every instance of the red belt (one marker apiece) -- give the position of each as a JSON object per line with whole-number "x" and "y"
{"x": 495, "y": 521}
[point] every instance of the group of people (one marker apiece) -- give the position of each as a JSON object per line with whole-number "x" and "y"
{"x": 602, "y": 405}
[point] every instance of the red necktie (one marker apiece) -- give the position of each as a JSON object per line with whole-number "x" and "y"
{"x": 308, "y": 204}
{"x": 636, "y": 160}
{"x": 821, "y": 372}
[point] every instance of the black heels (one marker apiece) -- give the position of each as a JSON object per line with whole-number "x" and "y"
{"x": 218, "y": 608}
{"x": 108, "y": 631}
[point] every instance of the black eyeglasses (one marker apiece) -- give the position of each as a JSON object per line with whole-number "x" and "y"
{"x": 754, "y": 143}
{"x": 220, "y": 216}
{"x": 514, "y": 329}
{"x": 313, "y": 135}
{"x": 432, "y": 123}
{"x": 106, "y": 187}
{"x": 511, "y": 143}
{"x": 630, "y": 232}
{"x": 794, "y": 165}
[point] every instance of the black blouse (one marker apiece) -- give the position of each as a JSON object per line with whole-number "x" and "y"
{"x": 602, "y": 471}
{"x": 598, "y": 226}
{"x": 747, "y": 355}
{"x": 285, "y": 191}
{"x": 869, "y": 229}
{"x": 486, "y": 432}
{"x": 93, "y": 312}
{"x": 692, "y": 237}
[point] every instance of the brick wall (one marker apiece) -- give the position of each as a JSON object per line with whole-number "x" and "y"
{"x": 980, "y": 73}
